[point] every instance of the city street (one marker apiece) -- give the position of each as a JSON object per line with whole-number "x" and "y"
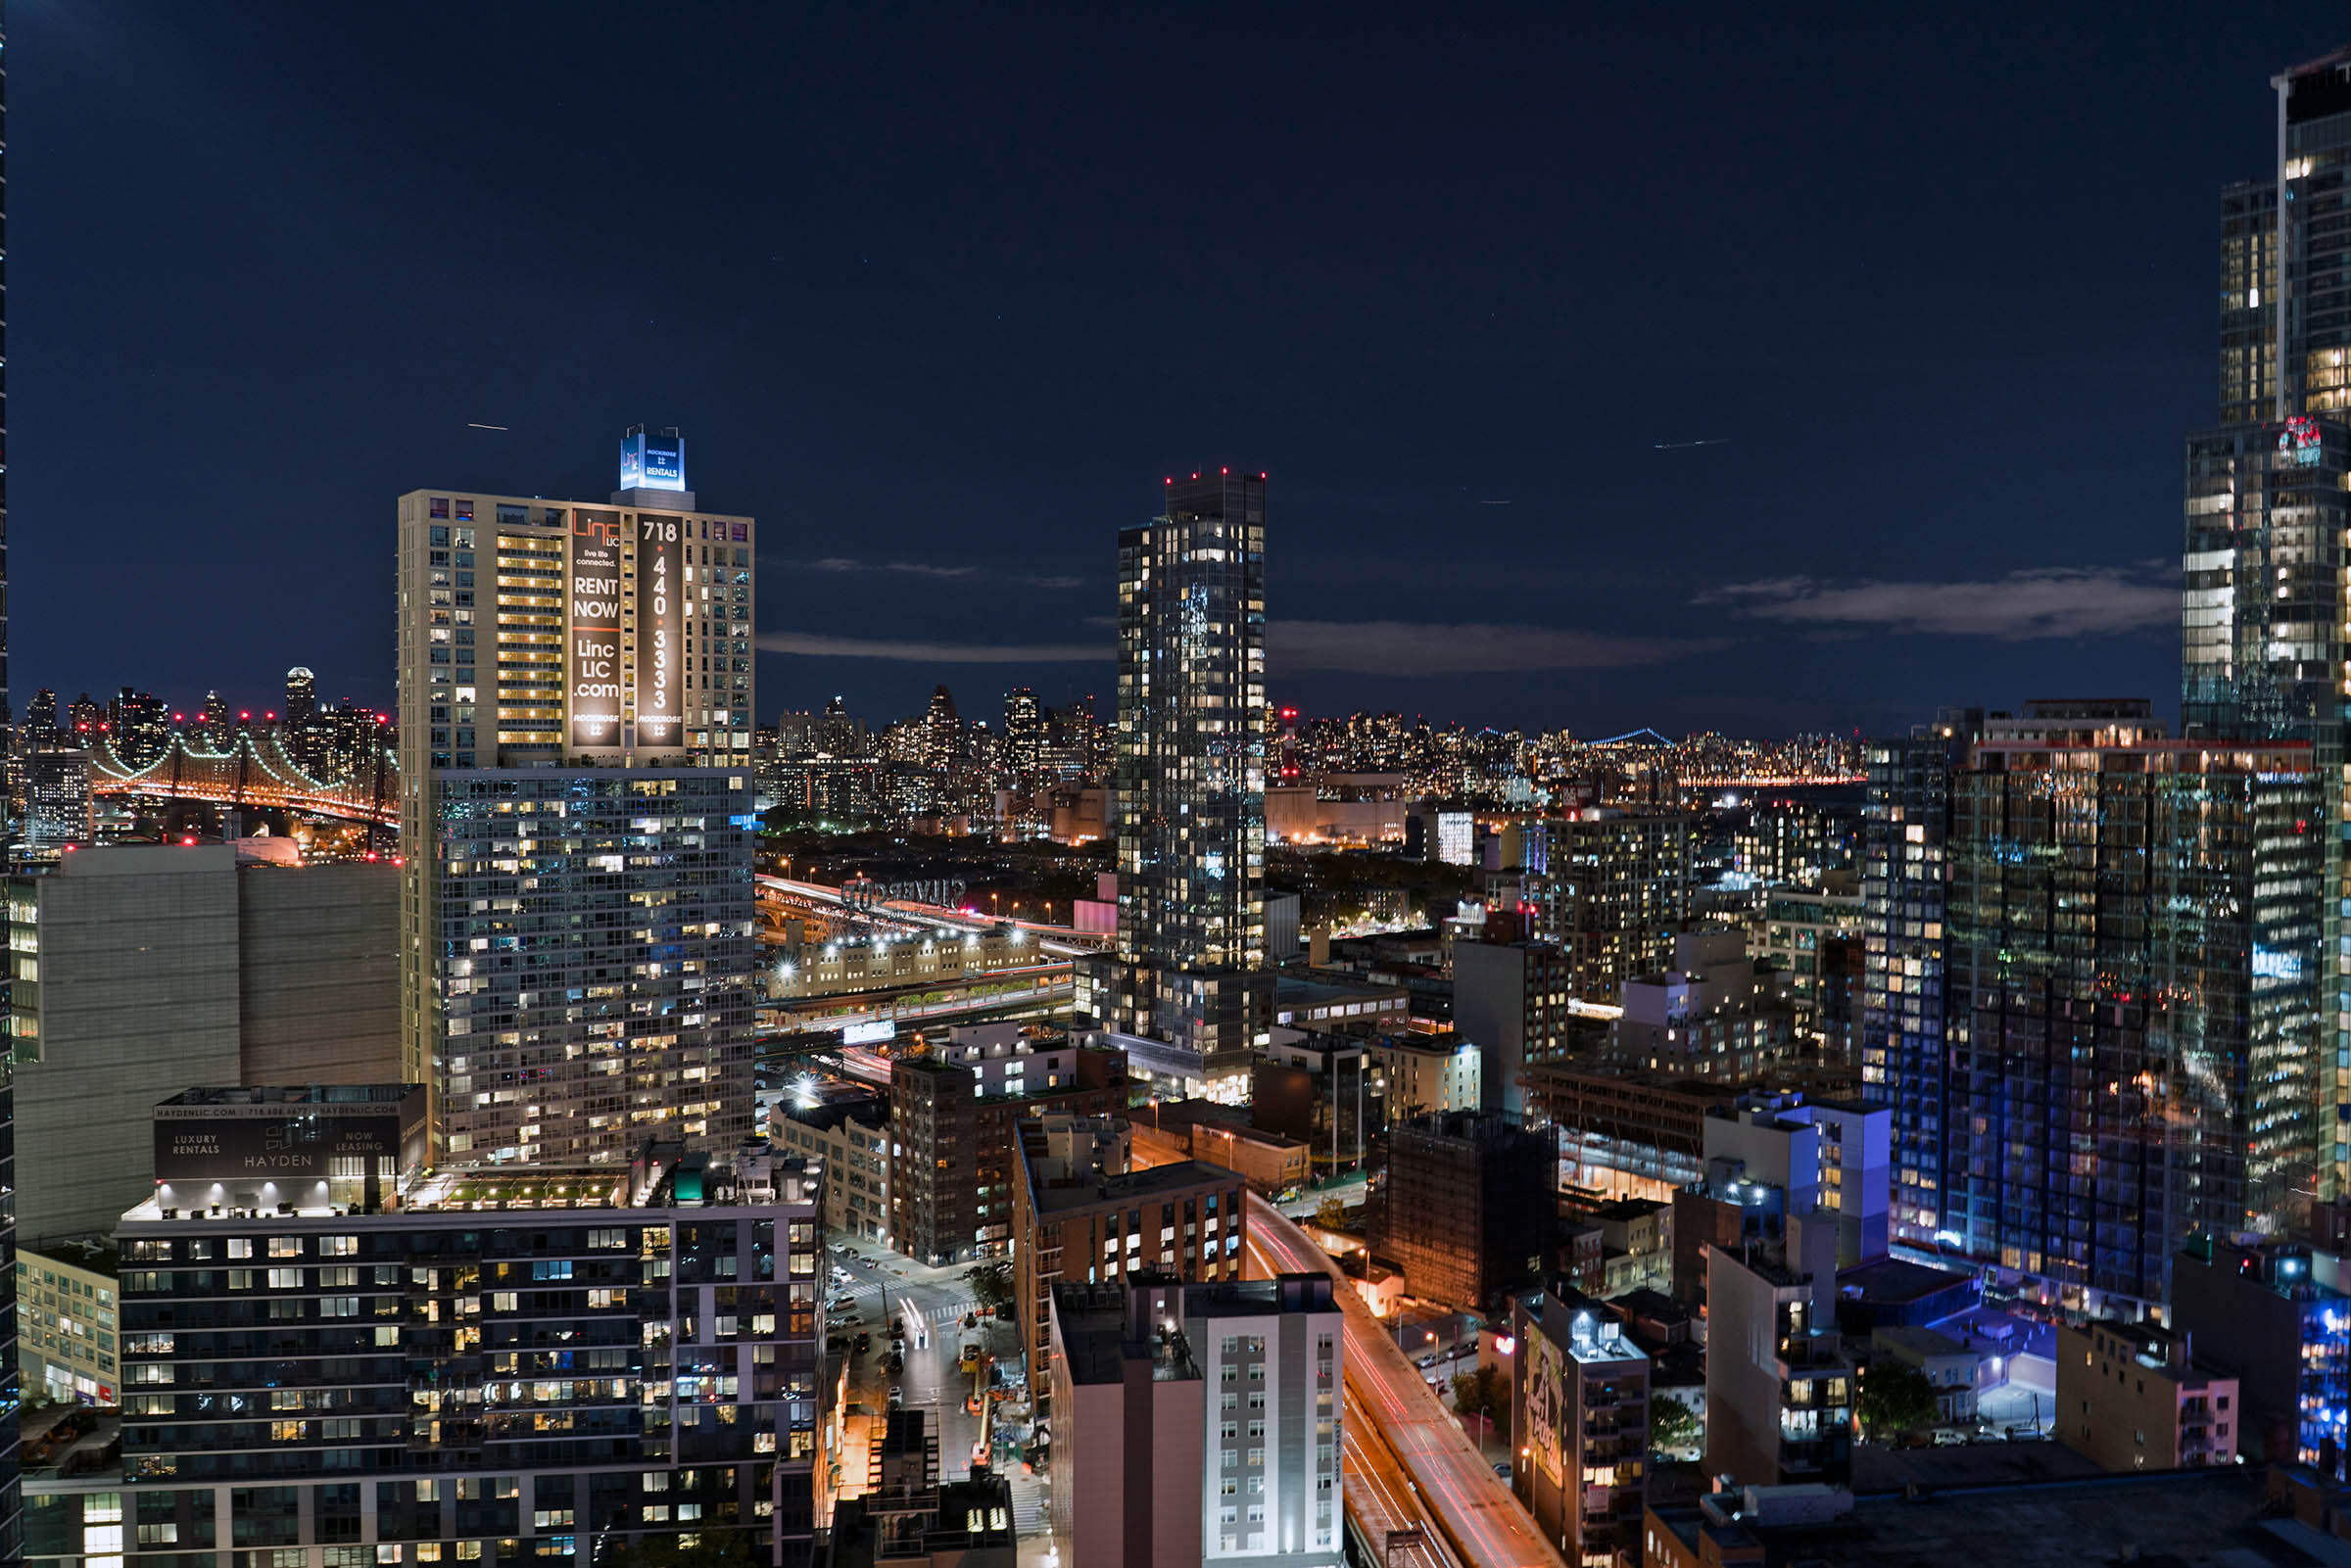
{"x": 932, "y": 1304}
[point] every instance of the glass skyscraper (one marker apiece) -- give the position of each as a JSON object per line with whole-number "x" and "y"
{"x": 2131, "y": 983}
{"x": 1189, "y": 785}
{"x": 2286, "y": 344}
{"x": 2266, "y": 625}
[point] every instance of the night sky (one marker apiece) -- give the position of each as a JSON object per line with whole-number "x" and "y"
{"x": 941, "y": 294}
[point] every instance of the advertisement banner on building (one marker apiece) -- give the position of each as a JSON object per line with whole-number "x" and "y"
{"x": 660, "y": 634}
{"x": 287, "y": 1150}
{"x": 1546, "y": 1394}
{"x": 591, "y": 624}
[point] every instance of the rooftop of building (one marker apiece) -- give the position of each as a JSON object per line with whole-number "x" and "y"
{"x": 829, "y": 1102}
{"x": 2204, "y": 1518}
{"x": 1092, "y": 1335}
{"x": 1893, "y": 1281}
{"x": 1291, "y": 990}
{"x": 666, "y": 1175}
{"x": 1919, "y": 1340}
{"x": 385, "y": 1094}
{"x": 1178, "y": 1176}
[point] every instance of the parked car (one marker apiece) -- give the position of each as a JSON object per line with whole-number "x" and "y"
{"x": 897, "y": 1396}
{"x": 1501, "y": 1468}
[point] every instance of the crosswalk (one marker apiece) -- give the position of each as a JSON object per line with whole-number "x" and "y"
{"x": 954, "y": 1314}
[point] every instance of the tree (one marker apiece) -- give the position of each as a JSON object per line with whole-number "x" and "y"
{"x": 1671, "y": 1423}
{"x": 991, "y": 1286}
{"x": 1895, "y": 1397}
{"x": 1331, "y": 1215}
{"x": 1483, "y": 1393}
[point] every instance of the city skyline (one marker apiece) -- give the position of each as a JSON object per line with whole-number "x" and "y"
{"x": 839, "y": 391}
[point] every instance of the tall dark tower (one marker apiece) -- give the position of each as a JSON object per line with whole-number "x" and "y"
{"x": 11, "y": 1500}
{"x": 1189, "y": 791}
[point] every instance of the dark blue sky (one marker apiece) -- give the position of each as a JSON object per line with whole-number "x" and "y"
{"x": 951, "y": 289}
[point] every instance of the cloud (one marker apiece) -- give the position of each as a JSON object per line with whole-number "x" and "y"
{"x": 2043, "y": 602}
{"x": 814, "y": 646}
{"x": 1361, "y": 647}
{"x": 1464, "y": 647}
{"x": 846, "y": 563}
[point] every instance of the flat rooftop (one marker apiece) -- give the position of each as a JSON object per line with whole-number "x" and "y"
{"x": 1892, "y": 1281}
{"x": 1135, "y": 1184}
{"x": 387, "y": 1094}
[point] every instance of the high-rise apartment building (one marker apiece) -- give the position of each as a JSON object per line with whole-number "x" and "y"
{"x": 1616, "y": 891}
{"x": 324, "y": 1347}
{"x": 1189, "y": 795}
{"x": 2132, "y": 1000}
{"x": 12, "y": 1517}
{"x": 1199, "y": 1423}
{"x": 575, "y": 726}
{"x": 2286, "y": 341}
{"x": 615, "y": 1002}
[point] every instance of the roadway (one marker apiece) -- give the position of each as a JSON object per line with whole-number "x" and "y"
{"x": 1061, "y": 941}
{"x": 1416, "y": 1461}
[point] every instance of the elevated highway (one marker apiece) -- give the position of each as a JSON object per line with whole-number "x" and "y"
{"x": 1397, "y": 1433}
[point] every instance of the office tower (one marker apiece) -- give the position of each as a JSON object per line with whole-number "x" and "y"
{"x": 1579, "y": 1410}
{"x": 574, "y": 737}
{"x": 535, "y": 1366}
{"x": 1616, "y": 889}
{"x": 1197, "y": 1424}
{"x": 302, "y": 697}
{"x": 301, "y": 731}
{"x": 1082, "y": 1216}
{"x": 1462, "y": 1204}
{"x": 54, "y": 782}
{"x": 1189, "y": 795}
{"x": 1509, "y": 999}
{"x": 1779, "y": 1388}
{"x": 2278, "y": 1314}
{"x": 1023, "y": 738}
{"x": 146, "y": 963}
{"x": 138, "y": 722}
{"x": 39, "y": 725}
{"x": 2133, "y": 996}
{"x": 942, "y": 732}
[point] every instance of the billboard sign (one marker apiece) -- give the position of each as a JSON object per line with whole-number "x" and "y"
{"x": 592, "y": 619}
{"x": 1546, "y": 1397}
{"x": 653, "y": 462}
{"x": 191, "y": 1147}
{"x": 660, "y": 634}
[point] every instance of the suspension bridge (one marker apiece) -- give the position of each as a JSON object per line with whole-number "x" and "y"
{"x": 253, "y": 771}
